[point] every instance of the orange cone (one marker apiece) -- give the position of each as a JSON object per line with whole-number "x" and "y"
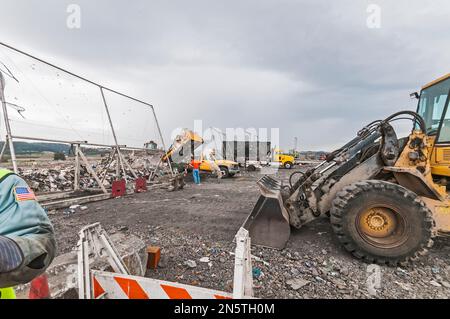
{"x": 39, "y": 288}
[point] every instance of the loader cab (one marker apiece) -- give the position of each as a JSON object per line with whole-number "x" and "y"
{"x": 434, "y": 109}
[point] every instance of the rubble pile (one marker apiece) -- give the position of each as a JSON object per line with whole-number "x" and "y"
{"x": 51, "y": 180}
{"x": 60, "y": 176}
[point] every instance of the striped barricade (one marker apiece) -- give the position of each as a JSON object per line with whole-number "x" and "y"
{"x": 93, "y": 284}
{"x": 108, "y": 285}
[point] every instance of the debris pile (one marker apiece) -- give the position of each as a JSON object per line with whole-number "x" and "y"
{"x": 61, "y": 177}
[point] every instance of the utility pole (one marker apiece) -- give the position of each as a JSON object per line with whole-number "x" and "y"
{"x": 295, "y": 144}
{"x": 9, "y": 138}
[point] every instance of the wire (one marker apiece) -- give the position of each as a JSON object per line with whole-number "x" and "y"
{"x": 18, "y": 108}
{"x": 8, "y": 73}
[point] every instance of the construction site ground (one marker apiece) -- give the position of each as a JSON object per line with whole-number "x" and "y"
{"x": 195, "y": 229}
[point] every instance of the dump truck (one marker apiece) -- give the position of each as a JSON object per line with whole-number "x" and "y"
{"x": 386, "y": 197}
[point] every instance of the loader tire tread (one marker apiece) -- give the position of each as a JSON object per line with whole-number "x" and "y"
{"x": 343, "y": 202}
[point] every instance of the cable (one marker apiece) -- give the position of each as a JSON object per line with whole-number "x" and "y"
{"x": 418, "y": 118}
{"x": 292, "y": 175}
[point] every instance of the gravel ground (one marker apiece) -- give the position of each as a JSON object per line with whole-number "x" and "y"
{"x": 201, "y": 221}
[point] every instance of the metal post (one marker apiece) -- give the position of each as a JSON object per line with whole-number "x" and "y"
{"x": 162, "y": 138}
{"x": 77, "y": 168}
{"x": 129, "y": 167}
{"x": 5, "y": 145}
{"x": 110, "y": 160}
{"x": 8, "y": 127}
{"x": 119, "y": 156}
{"x": 113, "y": 132}
{"x": 117, "y": 164}
{"x": 295, "y": 144}
{"x": 91, "y": 171}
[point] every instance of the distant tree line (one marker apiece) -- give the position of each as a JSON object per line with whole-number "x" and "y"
{"x": 22, "y": 148}
{"x": 25, "y": 148}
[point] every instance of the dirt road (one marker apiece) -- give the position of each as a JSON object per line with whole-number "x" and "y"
{"x": 201, "y": 221}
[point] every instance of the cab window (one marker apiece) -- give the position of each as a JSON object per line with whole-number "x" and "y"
{"x": 431, "y": 107}
{"x": 444, "y": 135}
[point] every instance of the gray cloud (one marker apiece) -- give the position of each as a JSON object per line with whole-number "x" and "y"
{"x": 311, "y": 68}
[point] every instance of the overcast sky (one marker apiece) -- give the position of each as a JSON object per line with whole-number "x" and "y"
{"x": 312, "y": 68}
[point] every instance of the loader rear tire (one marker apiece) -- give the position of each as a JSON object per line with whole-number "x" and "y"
{"x": 381, "y": 222}
{"x": 225, "y": 171}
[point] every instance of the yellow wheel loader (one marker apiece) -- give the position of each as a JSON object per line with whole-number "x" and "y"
{"x": 385, "y": 196}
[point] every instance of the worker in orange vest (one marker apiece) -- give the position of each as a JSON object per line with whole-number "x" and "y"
{"x": 195, "y": 165}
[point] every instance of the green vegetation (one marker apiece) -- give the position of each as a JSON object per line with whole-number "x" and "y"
{"x": 24, "y": 148}
{"x": 35, "y": 149}
{"x": 59, "y": 157}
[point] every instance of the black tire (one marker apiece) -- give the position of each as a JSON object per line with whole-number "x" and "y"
{"x": 251, "y": 168}
{"x": 400, "y": 222}
{"x": 288, "y": 165}
{"x": 225, "y": 171}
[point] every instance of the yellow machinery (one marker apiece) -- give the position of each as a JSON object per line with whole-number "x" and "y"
{"x": 286, "y": 161}
{"x": 183, "y": 148}
{"x": 431, "y": 108}
{"x": 228, "y": 168}
{"x": 385, "y": 197}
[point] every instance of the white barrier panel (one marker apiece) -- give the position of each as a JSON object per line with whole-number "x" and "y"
{"x": 108, "y": 285}
{"x": 243, "y": 275}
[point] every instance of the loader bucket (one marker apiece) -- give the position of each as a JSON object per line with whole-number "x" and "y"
{"x": 268, "y": 224}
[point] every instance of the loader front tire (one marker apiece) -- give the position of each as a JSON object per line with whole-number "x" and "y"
{"x": 381, "y": 222}
{"x": 288, "y": 165}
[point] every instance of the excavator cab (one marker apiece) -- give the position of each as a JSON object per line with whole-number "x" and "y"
{"x": 385, "y": 196}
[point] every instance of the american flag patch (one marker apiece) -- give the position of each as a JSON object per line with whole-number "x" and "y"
{"x": 23, "y": 194}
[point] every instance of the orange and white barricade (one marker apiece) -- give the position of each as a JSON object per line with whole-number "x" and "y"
{"x": 93, "y": 284}
{"x": 116, "y": 286}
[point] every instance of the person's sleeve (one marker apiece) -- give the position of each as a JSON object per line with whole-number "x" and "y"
{"x": 24, "y": 221}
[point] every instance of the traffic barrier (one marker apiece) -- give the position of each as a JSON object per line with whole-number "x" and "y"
{"x": 119, "y": 188}
{"x": 94, "y": 284}
{"x": 116, "y": 286}
{"x": 39, "y": 288}
{"x": 141, "y": 185}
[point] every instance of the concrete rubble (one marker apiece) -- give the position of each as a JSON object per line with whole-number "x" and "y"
{"x": 60, "y": 176}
